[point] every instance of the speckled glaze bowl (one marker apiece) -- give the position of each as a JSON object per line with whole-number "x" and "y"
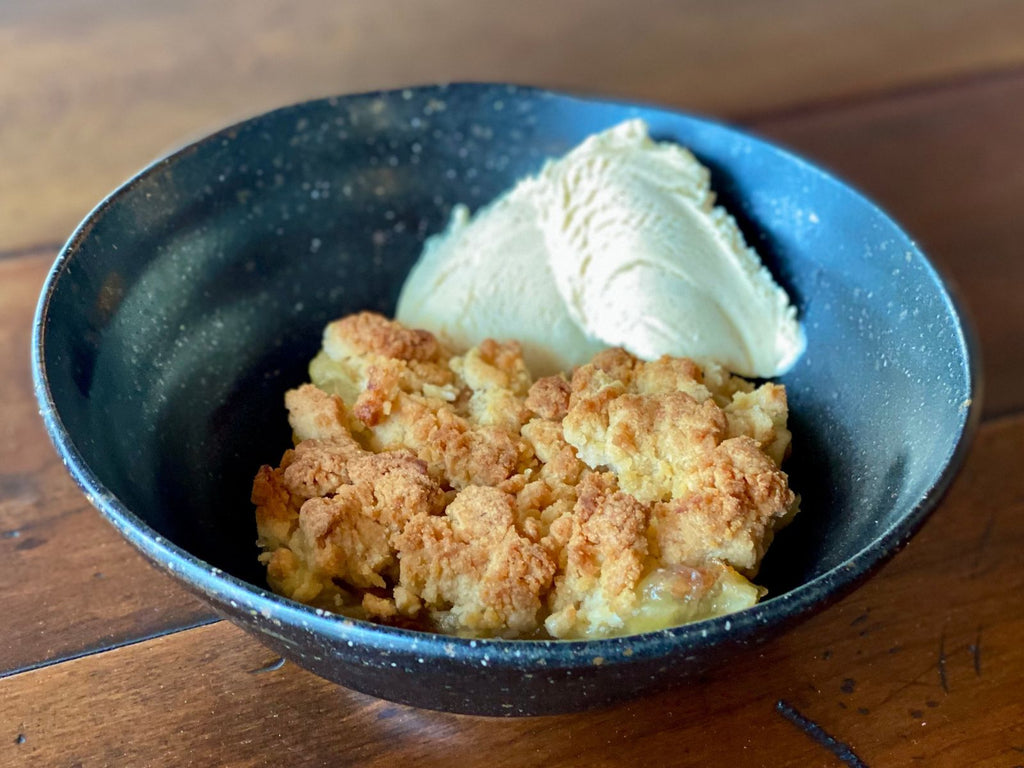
{"x": 189, "y": 300}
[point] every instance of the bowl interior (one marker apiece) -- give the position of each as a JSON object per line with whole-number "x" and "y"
{"x": 190, "y": 301}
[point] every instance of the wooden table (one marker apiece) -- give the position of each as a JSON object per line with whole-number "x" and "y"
{"x": 919, "y": 103}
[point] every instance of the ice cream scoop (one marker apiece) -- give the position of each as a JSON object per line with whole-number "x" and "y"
{"x": 490, "y": 276}
{"x": 618, "y": 243}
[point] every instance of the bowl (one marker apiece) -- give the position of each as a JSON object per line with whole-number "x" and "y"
{"x": 192, "y": 297}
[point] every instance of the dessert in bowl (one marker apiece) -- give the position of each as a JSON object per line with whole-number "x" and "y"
{"x": 193, "y": 297}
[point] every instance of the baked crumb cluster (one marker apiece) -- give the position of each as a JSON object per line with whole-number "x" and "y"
{"x": 455, "y": 493}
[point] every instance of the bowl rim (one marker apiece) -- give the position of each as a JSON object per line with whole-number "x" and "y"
{"x": 234, "y": 594}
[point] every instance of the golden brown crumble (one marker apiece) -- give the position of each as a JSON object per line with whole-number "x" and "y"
{"x": 454, "y": 493}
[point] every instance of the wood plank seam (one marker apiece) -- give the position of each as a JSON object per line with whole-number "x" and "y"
{"x": 843, "y": 751}
{"x": 858, "y": 100}
{"x": 39, "y": 249}
{"x": 100, "y": 649}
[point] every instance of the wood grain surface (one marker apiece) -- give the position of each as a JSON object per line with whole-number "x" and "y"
{"x": 894, "y": 674}
{"x": 918, "y": 103}
{"x": 99, "y": 89}
{"x": 68, "y": 583}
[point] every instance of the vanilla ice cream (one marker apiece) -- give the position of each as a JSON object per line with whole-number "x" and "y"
{"x": 618, "y": 243}
{"x": 490, "y": 277}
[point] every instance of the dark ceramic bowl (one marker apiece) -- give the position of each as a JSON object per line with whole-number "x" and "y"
{"x": 194, "y": 296}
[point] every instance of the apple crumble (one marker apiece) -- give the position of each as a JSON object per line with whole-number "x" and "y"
{"x": 454, "y": 493}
